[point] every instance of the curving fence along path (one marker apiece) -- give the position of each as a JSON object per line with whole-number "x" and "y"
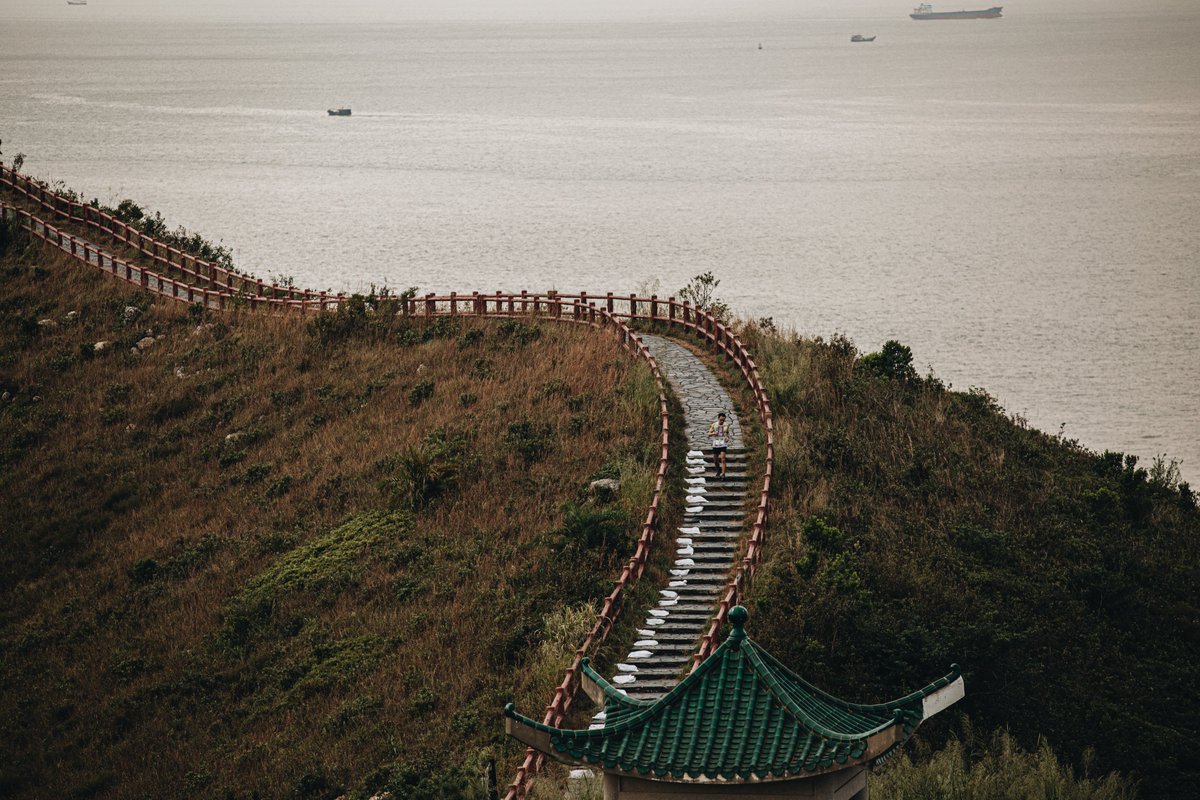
{"x": 707, "y": 579}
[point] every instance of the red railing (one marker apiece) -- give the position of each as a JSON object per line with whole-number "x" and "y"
{"x": 204, "y": 274}
{"x": 225, "y": 289}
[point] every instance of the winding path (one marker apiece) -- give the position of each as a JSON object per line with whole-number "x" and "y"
{"x": 719, "y": 544}
{"x": 706, "y": 545}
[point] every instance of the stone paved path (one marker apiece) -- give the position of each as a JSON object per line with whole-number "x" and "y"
{"x": 706, "y": 542}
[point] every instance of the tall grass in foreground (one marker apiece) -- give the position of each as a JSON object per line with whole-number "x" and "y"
{"x": 992, "y": 768}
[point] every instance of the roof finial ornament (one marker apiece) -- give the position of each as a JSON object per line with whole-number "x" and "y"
{"x": 737, "y": 618}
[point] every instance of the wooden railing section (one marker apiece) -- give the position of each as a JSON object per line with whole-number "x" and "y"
{"x": 218, "y": 288}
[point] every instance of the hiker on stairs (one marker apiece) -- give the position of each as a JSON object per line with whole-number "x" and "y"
{"x": 719, "y": 433}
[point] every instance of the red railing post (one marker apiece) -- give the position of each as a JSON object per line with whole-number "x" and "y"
{"x": 453, "y": 303}
{"x": 671, "y": 311}
{"x": 608, "y": 302}
{"x": 653, "y": 306}
{"x": 632, "y": 306}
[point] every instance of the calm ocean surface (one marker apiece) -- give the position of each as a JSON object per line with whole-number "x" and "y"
{"x": 1018, "y": 199}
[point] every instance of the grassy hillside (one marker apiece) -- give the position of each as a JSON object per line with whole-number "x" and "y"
{"x": 272, "y": 557}
{"x": 285, "y": 557}
{"x": 914, "y": 526}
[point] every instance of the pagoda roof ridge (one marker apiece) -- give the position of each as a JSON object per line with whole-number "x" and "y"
{"x": 773, "y": 664}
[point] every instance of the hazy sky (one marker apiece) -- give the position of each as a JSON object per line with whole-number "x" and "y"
{"x": 402, "y": 10}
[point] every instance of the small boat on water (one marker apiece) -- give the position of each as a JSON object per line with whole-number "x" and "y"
{"x": 77, "y": 2}
{"x": 339, "y": 112}
{"x": 858, "y": 37}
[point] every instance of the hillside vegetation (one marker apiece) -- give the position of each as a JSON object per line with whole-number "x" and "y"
{"x": 914, "y": 526}
{"x": 259, "y": 556}
{"x": 284, "y": 557}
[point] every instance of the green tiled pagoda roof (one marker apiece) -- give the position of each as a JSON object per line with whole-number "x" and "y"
{"x": 740, "y": 716}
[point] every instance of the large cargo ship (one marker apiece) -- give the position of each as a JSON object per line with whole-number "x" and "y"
{"x": 925, "y": 11}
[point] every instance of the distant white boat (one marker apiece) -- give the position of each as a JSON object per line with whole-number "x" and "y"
{"x": 77, "y": 2}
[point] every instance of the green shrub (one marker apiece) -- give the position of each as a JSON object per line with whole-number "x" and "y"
{"x": 596, "y": 529}
{"x": 143, "y": 570}
{"x": 329, "y": 564}
{"x": 420, "y": 393}
{"x": 530, "y": 440}
{"x": 422, "y": 474}
{"x": 518, "y": 333}
{"x": 470, "y": 339}
{"x": 893, "y": 361}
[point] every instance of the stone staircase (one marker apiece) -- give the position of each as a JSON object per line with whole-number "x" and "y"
{"x": 706, "y": 544}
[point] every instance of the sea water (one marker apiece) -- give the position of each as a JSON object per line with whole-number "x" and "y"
{"x": 1018, "y": 199}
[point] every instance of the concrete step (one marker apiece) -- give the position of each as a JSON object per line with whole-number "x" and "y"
{"x": 713, "y": 530}
{"x": 659, "y": 660}
{"x": 671, "y": 648}
{"x": 708, "y": 544}
{"x": 700, "y": 570}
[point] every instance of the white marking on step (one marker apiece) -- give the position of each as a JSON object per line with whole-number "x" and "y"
{"x": 668, "y": 593}
{"x": 692, "y": 529}
{"x": 678, "y": 584}
{"x": 657, "y": 612}
{"x": 624, "y": 679}
{"x": 627, "y": 667}
{"x": 640, "y": 654}
{"x": 685, "y": 562}
{"x": 646, "y": 643}
{"x": 680, "y": 573}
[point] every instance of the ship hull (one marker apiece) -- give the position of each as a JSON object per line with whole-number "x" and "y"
{"x": 987, "y": 13}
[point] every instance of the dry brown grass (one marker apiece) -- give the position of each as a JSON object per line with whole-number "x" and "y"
{"x": 149, "y": 499}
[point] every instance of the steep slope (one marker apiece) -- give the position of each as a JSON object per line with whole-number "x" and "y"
{"x": 265, "y": 556}
{"x": 915, "y": 526}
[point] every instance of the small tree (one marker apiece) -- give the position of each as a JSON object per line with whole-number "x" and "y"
{"x": 893, "y": 361}
{"x": 701, "y": 293}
